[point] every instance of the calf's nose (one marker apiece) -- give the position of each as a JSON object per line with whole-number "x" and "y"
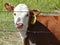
{"x": 19, "y": 25}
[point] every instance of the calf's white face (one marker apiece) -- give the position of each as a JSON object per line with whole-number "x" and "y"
{"x": 20, "y": 16}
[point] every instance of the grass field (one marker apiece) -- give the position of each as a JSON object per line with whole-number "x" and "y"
{"x": 8, "y": 33}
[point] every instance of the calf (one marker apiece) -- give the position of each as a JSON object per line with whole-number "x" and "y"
{"x": 34, "y": 28}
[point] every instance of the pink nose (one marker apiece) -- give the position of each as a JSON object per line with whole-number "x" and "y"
{"x": 19, "y": 25}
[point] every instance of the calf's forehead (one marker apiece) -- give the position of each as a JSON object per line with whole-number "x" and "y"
{"x": 21, "y": 9}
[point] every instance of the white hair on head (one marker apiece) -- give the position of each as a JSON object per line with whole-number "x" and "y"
{"x": 21, "y": 8}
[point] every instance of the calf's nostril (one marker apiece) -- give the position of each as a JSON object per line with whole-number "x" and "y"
{"x": 17, "y": 24}
{"x": 20, "y": 24}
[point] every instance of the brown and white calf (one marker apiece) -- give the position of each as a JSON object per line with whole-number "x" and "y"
{"x": 34, "y": 28}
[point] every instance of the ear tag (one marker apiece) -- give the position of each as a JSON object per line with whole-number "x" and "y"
{"x": 34, "y": 19}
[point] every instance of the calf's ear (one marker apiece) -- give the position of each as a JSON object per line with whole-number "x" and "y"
{"x": 8, "y": 7}
{"x": 36, "y": 12}
{"x": 33, "y": 14}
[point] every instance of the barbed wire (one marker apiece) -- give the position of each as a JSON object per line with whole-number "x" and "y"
{"x": 47, "y": 12}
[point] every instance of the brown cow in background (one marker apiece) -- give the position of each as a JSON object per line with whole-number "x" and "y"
{"x": 52, "y": 23}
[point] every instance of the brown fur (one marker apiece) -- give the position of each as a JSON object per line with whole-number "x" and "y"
{"x": 52, "y": 23}
{"x": 46, "y": 30}
{"x": 8, "y": 7}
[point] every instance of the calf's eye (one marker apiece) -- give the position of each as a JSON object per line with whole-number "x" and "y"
{"x": 27, "y": 15}
{"x": 15, "y": 14}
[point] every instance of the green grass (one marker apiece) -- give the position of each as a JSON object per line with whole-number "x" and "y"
{"x": 42, "y": 5}
{"x": 6, "y": 18}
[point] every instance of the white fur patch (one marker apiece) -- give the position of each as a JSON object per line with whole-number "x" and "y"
{"x": 31, "y": 43}
{"x": 21, "y": 11}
